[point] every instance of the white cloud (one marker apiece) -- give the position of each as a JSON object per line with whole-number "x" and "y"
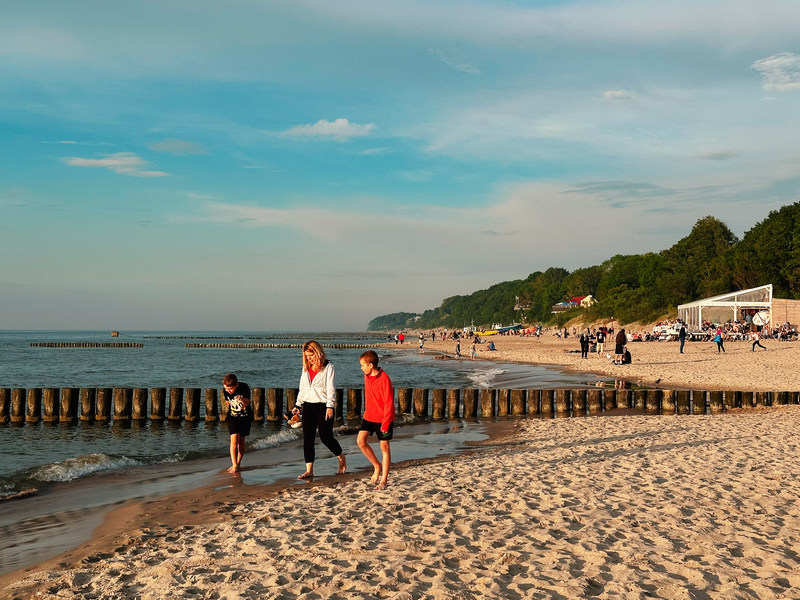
{"x": 375, "y": 151}
{"x": 459, "y": 64}
{"x": 618, "y": 96}
{"x": 780, "y": 72}
{"x": 340, "y": 130}
{"x": 179, "y": 147}
{"x": 718, "y": 155}
{"x": 124, "y": 163}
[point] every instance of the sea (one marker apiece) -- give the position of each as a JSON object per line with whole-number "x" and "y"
{"x": 121, "y": 462}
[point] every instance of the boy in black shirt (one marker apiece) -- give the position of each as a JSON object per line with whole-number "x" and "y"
{"x": 240, "y": 417}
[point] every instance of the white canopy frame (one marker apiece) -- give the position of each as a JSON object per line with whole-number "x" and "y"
{"x": 719, "y": 309}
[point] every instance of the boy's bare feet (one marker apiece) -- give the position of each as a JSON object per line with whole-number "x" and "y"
{"x": 342, "y": 464}
{"x": 375, "y": 476}
{"x": 306, "y": 475}
{"x": 232, "y": 469}
{"x": 381, "y": 485}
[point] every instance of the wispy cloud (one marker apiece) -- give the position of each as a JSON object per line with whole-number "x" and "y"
{"x": 340, "y": 130}
{"x": 375, "y": 151}
{"x": 779, "y": 72}
{"x": 718, "y": 155}
{"x": 618, "y": 96}
{"x": 457, "y": 63}
{"x": 178, "y": 147}
{"x": 124, "y": 163}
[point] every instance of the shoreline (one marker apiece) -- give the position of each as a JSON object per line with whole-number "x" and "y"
{"x": 206, "y": 492}
{"x": 655, "y": 363}
{"x": 633, "y": 506}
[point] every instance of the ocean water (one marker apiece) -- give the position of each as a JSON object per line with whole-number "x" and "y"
{"x": 35, "y": 456}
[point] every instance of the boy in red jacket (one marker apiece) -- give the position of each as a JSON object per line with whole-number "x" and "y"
{"x": 378, "y": 417}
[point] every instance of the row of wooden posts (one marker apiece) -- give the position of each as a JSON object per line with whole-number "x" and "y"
{"x": 87, "y": 345}
{"x": 69, "y": 405}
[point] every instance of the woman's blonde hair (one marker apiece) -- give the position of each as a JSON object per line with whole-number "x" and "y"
{"x": 316, "y": 348}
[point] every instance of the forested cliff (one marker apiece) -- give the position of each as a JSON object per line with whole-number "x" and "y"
{"x": 638, "y": 287}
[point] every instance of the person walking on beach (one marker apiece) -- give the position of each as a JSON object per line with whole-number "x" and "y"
{"x": 378, "y": 417}
{"x": 756, "y": 337}
{"x": 682, "y": 336}
{"x": 619, "y": 347}
{"x": 458, "y": 348}
{"x": 601, "y": 340}
{"x": 316, "y": 399}
{"x": 584, "y": 341}
{"x": 473, "y": 349}
{"x": 240, "y": 416}
{"x": 421, "y": 344}
{"x": 719, "y": 337}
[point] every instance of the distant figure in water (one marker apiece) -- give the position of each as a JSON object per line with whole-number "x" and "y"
{"x": 316, "y": 399}
{"x": 240, "y": 416}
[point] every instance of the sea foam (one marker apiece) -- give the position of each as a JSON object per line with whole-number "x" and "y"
{"x": 75, "y": 468}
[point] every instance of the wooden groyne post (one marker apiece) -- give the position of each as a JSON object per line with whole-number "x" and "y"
{"x": 69, "y": 408}
{"x": 5, "y": 405}
{"x": 212, "y": 405}
{"x": 354, "y": 402}
{"x": 158, "y": 404}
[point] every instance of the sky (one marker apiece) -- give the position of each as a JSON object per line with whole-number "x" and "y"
{"x": 310, "y": 165}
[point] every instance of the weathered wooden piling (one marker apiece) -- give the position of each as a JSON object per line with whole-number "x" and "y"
{"x": 780, "y": 398}
{"x": 579, "y": 402}
{"x": 403, "y": 401}
{"x": 175, "y": 411}
{"x": 653, "y": 401}
{"x": 18, "y": 401}
{"x": 123, "y": 404}
{"x": 138, "y": 404}
{"x": 682, "y": 402}
{"x": 33, "y": 409}
{"x": 761, "y": 399}
{"x": 421, "y": 403}
{"x": 104, "y": 399}
{"x": 668, "y": 402}
{"x": 438, "y": 404}
{"x": 534, "y": 399}
{"x": 68, "y": 409}
{"x": 212, "y": 404}
{"x": 503, "y": 402}
{"x": 594, "y": 398}
{"x": 488, "y": 405}
{"x": 338, "y": 407}
{"x": 50, "y": 405}
{"x": 747, "y": 400}
{"x": 453, "y": 402}
{"x": 158, "y": 404}
{"x": 354, "y": 401}
{"x": 291, "y": 398}
{"x": 547, "y": 402}
{"x": 5, "y": 405}
{"x": 639, "y": 399}
{"x": 257, "y": 403}
{"x": 274, "y": 405}
{"x": 699, "y": 402}
{"x": 715, "y": 402}
{"x": 563, "y": 402}
{"x": 88, "y": 396}
{"x": 192, "y": 404}
{"x": 470, "y": 403}
{"x": 518, "y": 402}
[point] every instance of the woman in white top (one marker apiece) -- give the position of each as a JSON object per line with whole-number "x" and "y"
{"x": 316, "y": 399}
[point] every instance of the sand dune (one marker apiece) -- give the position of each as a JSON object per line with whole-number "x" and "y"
{"x": 598, "y": 507}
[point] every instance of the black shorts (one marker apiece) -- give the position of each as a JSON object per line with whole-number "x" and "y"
{"x": 240, "y": 425}
{"x": 375, "y": 428}
{"x": 619, "y": 349}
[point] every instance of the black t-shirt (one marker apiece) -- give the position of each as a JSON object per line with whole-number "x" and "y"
{"x": 237, "y": 407}
{"x": 601, "y": 337}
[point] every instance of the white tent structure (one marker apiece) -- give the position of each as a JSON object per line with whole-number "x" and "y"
{"x": 727, "y": 307}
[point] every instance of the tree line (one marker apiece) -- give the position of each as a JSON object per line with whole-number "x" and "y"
{"x": 637, "y": 287}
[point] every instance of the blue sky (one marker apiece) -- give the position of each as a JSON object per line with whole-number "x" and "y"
{"x": 311, "y": 165}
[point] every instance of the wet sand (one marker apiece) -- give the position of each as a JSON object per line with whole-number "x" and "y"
{"x": 596, "y": 507}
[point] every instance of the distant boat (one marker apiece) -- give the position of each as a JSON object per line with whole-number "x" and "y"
{"x": 115, "y": 334}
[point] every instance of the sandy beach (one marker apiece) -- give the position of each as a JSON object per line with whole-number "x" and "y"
{"x": 656, "y": 363}
{"x": 596, "y": 507}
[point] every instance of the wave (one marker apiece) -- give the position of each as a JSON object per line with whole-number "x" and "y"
{"x": 483, "y": 378}
{"x": 75, "y": 468}
{"x": 276, "y": 439}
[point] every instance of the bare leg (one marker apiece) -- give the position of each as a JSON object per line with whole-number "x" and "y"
{"x": 386, "y": 460}
{"x": 234, "y": 453}
{"x": 342, "y": 463}
{"x": 309, "y": 474}
{"x": 363, "y": 443}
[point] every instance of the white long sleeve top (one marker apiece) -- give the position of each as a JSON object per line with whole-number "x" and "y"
{"x": 322, "y": 389}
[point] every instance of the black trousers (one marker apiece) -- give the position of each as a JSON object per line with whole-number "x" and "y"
{"x": 314, "y": 420}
